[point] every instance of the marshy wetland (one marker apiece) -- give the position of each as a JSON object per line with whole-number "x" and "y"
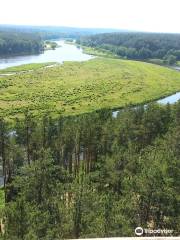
{"x": 74, "y": 88}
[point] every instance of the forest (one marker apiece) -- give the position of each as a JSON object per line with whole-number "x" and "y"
{"x": 139, "y": 46}
{"x": 19, "y": 43}
{"x": 92, "y": 175}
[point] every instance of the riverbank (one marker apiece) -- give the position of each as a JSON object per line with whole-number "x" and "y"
{"x": 25, "y": 68}
{"x": 96, "y": 52}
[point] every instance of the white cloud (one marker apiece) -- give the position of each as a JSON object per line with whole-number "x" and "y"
{"x": 144, "y": 15}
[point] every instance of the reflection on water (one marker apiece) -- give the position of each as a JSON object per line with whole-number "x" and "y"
{"x": 67, "y": 52}
{"x": 170, "y": 99}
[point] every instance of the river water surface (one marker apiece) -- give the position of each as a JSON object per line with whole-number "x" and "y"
{"x": 66, "y": 52}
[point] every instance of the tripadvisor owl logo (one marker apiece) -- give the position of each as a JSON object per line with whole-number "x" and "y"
{"x": 139, "y": 231}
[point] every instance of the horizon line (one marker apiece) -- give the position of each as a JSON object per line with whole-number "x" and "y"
{"x": 80, "y": 27}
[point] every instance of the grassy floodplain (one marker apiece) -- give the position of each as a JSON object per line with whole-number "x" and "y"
{"x": 78, "y": 87}
{"x": 26, "y": 67}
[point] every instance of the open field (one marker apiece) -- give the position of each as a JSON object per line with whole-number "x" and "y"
{"x": 26, "y": 67}
{"x": 79, "y": 87}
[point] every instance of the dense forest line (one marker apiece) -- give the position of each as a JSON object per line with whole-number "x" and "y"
{"x": 92, "y": 175}
{"x": 19, "y": 43}
{"x": 141, "y": 46}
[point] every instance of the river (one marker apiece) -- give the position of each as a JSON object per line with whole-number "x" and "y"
{"x": 66, "y": 52}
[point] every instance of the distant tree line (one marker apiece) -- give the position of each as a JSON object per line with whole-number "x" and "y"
{"x": 91, "y": 175}
{"x": 19, "y": 43}
{"x": 54, "y": 32}
{"x": 141, "y": 46}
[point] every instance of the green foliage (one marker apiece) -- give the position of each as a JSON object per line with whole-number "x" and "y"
{"x": 178, "y": 63}
{"x": 98, "y": 52}
{"x": 26, "y": 67}
{"x": 156, "y": 61}
{"x": 2, "y": 199}
{"x": 74, "y": 88}
{"x": 49, "y": 45}
{"x": 96, "y": 175}
{"x": 170, "y": 59}
{"x": 19, "y": 43}
{"x": 39, "y": 210}
{"x": 136, "y": 45}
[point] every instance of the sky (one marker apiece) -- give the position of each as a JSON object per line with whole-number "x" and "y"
{"x": 138, "y": 15}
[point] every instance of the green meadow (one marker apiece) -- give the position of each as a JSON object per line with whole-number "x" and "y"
{"x": 79, "y": 87}
{"x": 26, "y": 67}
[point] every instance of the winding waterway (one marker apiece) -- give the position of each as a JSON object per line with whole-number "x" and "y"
{"x": 66, "y": 52}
